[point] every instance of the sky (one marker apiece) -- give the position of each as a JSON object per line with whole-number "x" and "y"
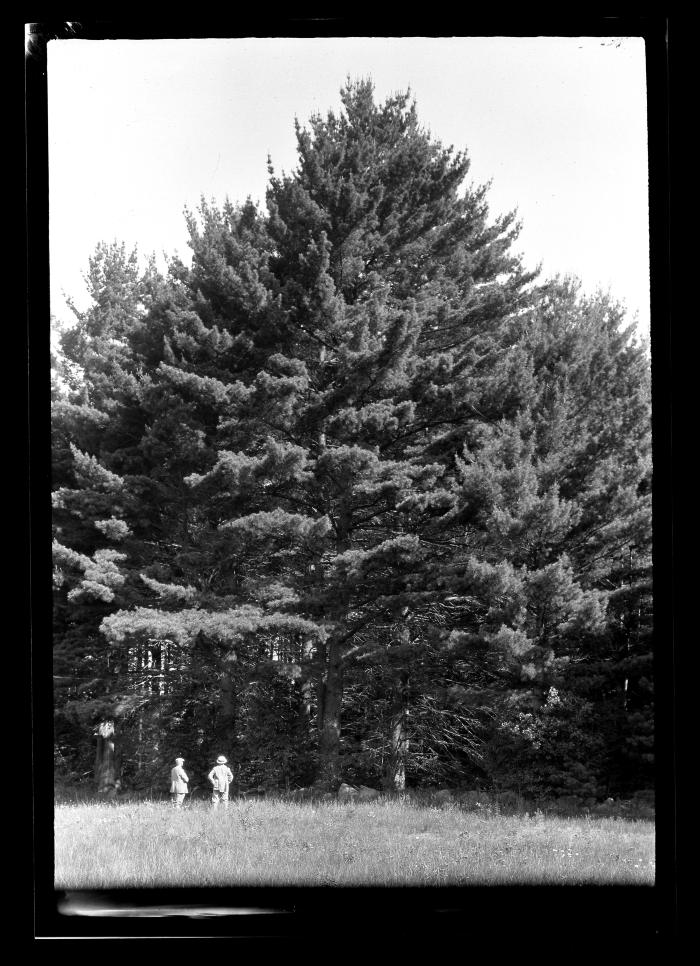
{"x": 141, "y": 129}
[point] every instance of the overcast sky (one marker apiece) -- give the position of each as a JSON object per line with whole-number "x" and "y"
{"x": 140, "y": 129}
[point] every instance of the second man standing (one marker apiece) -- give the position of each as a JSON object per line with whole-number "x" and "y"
{"x": 220, "y": 777}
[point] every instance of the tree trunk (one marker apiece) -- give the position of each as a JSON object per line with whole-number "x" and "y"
{"x": 156, "y": 668}
{"x": 305, "y": 685}
{"x": 394, "y": 777}
{"x": 229, "y": 714}
{"x": 141, "y": 687}
{"x": 329, "y": 719}
{"x": 331, "y": 690}
{"x": 107, "y": 761}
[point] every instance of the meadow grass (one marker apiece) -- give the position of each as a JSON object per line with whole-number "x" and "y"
{"x": 385, "y": 842}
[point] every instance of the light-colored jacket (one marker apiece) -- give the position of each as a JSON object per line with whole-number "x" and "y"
{"x": 221, "y": 777}
{"x": 178, "y": 780}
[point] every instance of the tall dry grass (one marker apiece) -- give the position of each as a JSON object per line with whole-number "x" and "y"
{"x": 387, "y": 842}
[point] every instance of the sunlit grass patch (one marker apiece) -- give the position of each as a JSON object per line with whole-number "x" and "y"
{"x": 381, "y": 842}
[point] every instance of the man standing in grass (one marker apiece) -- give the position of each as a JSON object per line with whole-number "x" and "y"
{"x": 178, "y": 783}
{"x": 220, "y": 777}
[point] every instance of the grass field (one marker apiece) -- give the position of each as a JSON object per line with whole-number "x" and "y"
{"x": 280, "y": 843}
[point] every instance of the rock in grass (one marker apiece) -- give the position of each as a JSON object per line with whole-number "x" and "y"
{"x": 606, "y": 808}
{"x": 351, "y": 793}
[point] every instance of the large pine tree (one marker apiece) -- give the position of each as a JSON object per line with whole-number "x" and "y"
{"x": 349, "y": 460}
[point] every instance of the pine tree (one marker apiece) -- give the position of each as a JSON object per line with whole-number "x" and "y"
{"x": 93, "y": 386}
{"x": 349, "y": 496}
{"x": 304, "y": 396}
{"x": 551, "y": 507}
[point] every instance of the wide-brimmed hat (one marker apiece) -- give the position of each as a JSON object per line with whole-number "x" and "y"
{"x": 179, "y": 759}
{"x": 221, "y": 760}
